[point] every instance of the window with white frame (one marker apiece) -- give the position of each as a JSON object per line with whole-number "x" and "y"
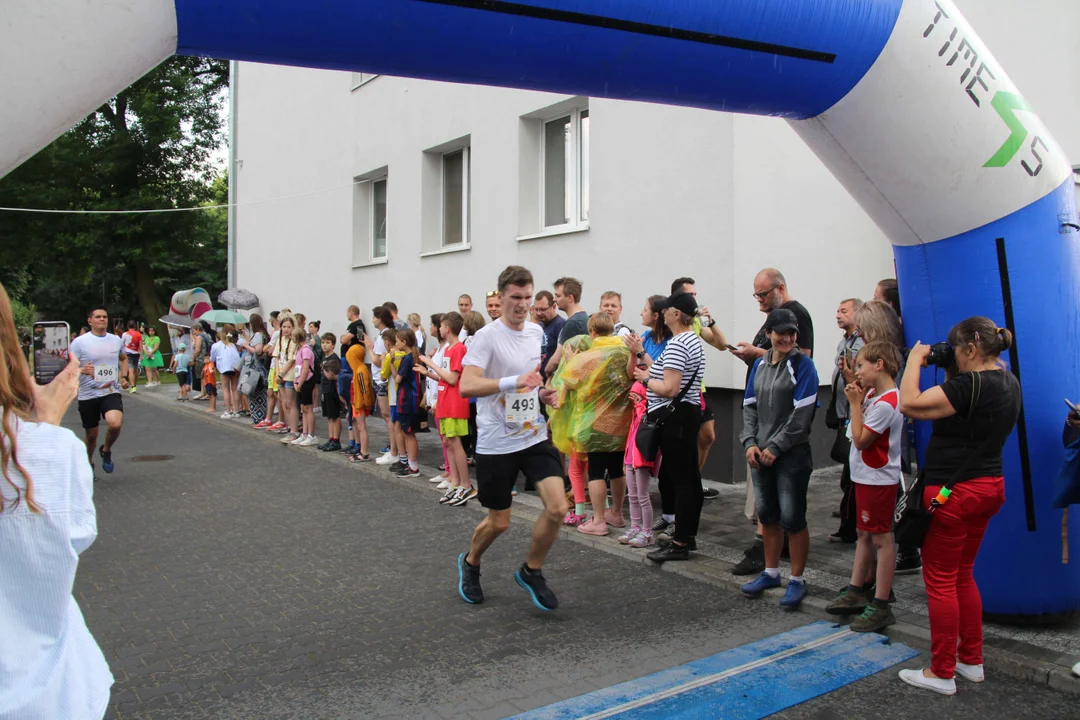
{"x": 370, "y": 218}
{"x": 359, "y": 79}
{"x": 378, "y": 218}
{"x": 564, "y": 166}
{"x": 455, "y": 197}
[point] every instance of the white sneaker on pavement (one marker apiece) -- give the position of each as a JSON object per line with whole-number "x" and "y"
{"x": 299, "y": 440}
{"x": 386, "y": 459}
{"x": 971, "y": 673}
{"x": 309, "y": 441}
{"x": 444, "y": 485}
{"x": 289, "y": 438}
{"x": 915, "y": 678}
{"x": 437, "y": 478}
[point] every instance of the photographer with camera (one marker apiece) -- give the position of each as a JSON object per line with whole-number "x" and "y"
{"x": 973, "y": 413}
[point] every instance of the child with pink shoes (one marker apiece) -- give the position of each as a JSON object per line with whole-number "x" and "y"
{"x": 639, "y": 473}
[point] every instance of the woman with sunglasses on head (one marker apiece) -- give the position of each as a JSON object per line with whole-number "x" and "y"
{"x": 973, "y": 413}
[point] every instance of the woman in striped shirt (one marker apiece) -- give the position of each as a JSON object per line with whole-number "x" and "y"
{"x": 673, "y": 383}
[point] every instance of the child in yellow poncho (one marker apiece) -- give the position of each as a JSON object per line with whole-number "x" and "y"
{"x": 593, "y": 416}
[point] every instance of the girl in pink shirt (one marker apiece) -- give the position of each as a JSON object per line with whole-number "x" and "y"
{"x": 639, "y": 473}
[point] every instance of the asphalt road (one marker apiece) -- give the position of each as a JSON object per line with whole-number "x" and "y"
{"x": 236, "y": 578}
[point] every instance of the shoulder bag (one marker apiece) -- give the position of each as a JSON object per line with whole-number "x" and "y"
{"x": 911, "y": 521}
{"x": 647, "y": 438}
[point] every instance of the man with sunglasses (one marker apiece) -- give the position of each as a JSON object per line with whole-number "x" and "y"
{"x": 771, "y": 293}
{"x": 493, "y": 304}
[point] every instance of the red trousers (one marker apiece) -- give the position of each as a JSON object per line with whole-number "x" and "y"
{"x": 948, "y": 554}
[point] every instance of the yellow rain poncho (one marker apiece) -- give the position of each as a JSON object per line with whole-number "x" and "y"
{"x": 594, "y": 409}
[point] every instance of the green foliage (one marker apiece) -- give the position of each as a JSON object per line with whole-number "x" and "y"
{"x": 152, "y": 146}
{"x": 24, "y": 314}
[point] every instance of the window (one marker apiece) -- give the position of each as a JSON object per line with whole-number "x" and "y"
{"x": 359, "y": 79}
{"x": 378, "y": 219}
{"x": 565, "y": 168}
{"x": 455, "y": 198}
{"x": 553, "y": 170}
{"x": 370, "y": 218}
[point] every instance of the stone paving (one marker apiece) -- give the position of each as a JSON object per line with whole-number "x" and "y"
{"x": 241, "y": 578}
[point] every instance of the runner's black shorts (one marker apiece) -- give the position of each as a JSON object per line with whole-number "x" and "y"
{"x": 496, "y": 475}
{"x": 307, "y": 391}
{"x": 606, "y": 463}
{"x": 331, "y": 405}
{"x": 93, "y": 410}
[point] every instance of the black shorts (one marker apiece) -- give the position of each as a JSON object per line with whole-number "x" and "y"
{"x": 181, "y": 377}
{"x": 707, "y": 412}
{"x": 307, "y": 391}
{"x": 331, "y": 405}
{"x": 93, "y": 410}
{"x": 410, "y": 424}
{"x": 133, "y": 360}
{"x": 496, "y": 475}
{"x": 210, "y": 389}
{"x": 606, "y": 463}
{"x": 228, "y": 373}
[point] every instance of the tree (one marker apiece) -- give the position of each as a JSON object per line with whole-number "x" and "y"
{"x": 150, "y": 147}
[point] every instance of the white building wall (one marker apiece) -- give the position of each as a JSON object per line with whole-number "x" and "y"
{"x": 674, "y": 191}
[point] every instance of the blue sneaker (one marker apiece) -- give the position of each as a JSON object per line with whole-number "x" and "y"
{"x": 796, "y": 591}
{"x": 469, "y": 581}
{"x": 106, "y": 460}
{"x": 537, "y": 587}
{"x": 760, "y": 584}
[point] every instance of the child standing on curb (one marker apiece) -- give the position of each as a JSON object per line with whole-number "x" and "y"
{"x": 408, "y": 400}
{"x": 876, "y": 430}
{"x": 453, "y": 411}
{"x": 180, "y": 363}
{"x": 639, "y": 473}
{"x": 331, "y": 401}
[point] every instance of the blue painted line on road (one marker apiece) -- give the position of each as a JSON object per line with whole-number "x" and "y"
{"x": 746, "y": 683}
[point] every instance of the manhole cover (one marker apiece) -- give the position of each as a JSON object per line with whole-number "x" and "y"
{"x": 152, "y": 458}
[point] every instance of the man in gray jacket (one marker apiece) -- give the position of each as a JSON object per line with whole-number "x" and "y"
{"x": 840, "y": 411}
{"x": 778, "y": 409}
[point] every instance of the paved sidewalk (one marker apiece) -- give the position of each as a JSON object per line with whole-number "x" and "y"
{"x": 1043, "y": 655}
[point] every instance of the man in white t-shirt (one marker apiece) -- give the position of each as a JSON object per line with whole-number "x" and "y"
{"x": 502, "y": 369}
{"x": 103, "y": 372}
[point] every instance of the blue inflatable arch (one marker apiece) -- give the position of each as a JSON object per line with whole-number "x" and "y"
{"x": 899, "y": 98}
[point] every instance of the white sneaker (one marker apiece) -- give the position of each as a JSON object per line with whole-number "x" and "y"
{"x": 289, "y": 438}
{"x": 226, "y": 415}
{"x": 444, "y": 485}
{"x": 299, "y": 440}
{"x": 915, "y": 678}
{"x": 1076, "y": 669}
{"x": 971, "y": 673}
{"x": 309, "y": 441}
{"x": 437, "y": 479}
{"x": 386, "y": 459}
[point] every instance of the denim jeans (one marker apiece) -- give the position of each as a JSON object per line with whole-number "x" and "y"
{"x": 781, "y": 489}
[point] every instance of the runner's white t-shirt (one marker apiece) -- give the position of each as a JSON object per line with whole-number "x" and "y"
{"x": 104, "y": 353}
{"x": 499, "y": 351}
{"x": 879, "y": 464}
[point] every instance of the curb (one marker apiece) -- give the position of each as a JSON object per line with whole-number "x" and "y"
{"x": 1019, "y": 660}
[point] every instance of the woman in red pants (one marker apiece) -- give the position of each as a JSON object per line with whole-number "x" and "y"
{"x": 979, "y": 399}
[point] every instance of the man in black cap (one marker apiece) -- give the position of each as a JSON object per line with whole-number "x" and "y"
{"x": 771, "y": 293}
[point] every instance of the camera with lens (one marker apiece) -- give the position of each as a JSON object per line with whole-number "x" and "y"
{"x": 941, "y": 354}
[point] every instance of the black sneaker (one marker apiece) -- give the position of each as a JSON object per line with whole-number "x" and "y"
{"x": 661, "y": 525}
{"x": 333, "y": 446}
{"x": 106, "y": 460}
{"x": 692, "y": 545}
{"x": 671, "y": 551}
{"x": 463, "y": 498}
{"x": 908, "y": 564}
{"x": 406, "y": 472}
{"x": 838, "y": 537}
{"x": 537, "y": 587}
{"x": 469, "y": 581}
{"x": 753, "y": 561}
{"x": 710, "y": 493}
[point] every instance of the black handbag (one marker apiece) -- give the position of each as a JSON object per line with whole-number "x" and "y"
{"x": 647, "y": 438}
{"x": 841, "y": 447}
{"x": 911, "y": 521}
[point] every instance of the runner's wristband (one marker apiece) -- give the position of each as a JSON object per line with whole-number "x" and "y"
{"x": 508, "y": 384}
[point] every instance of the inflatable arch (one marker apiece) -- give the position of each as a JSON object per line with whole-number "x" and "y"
{"x": 899, "y": 98}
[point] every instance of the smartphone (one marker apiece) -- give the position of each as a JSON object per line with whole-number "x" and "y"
{"x": 733, "y": 348}
{"x": 1075, "y": 410}
{"x": 51, "y": 341}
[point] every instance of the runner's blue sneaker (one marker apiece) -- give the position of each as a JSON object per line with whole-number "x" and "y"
{"x": 106, "y": 460}
{"x": 796, "y": 591}
{"x": 760, "y": 584}
{"x": 535, "y": 584}
{"x": 469, "y": 581}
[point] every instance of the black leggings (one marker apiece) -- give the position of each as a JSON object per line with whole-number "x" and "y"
{"x": 679, "y": 468}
